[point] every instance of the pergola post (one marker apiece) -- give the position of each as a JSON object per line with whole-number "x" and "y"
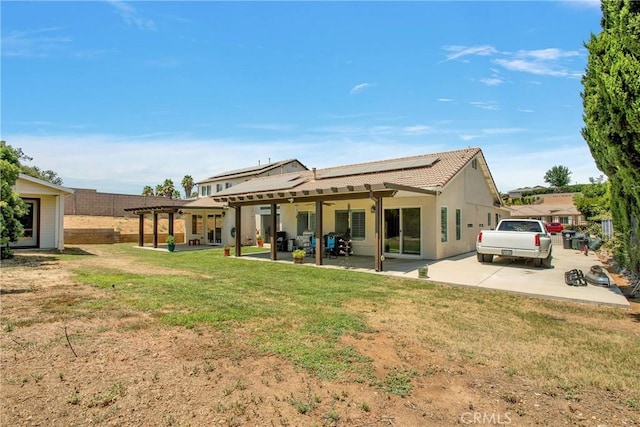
{"x": 274, "y": 234}
{"x": 318, "y": 232}
{"x": 155, "y": 229}
{"x": 141, "y": 229}
{"x": 238, "y": 230}
{"x": 378, "y": 234}
{"x": 171, "y": 224}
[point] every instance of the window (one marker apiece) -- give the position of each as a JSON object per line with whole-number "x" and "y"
{"x": 227, "y": 185}
{"x": 357, "y": 221}
{"x": 218, "y": 188}
{"x": 306, "y": 222}
{"x": 489, "y": 219}
{"x": 474, "y": 163}
{"x": 208, "y": 190}
{"x": 196, "y": 224}
{"x": 443, "y": 224}
{"x": 203, "y": 190}
{"x": 458, "y": 224}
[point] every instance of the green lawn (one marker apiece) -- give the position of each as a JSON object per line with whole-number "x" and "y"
{"x": 300, "y": 313}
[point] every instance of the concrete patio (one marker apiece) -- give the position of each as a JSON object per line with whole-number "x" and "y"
{"x": 503, "y": 274}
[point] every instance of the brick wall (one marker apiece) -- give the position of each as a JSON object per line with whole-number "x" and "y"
{"x": 90, "y": 202}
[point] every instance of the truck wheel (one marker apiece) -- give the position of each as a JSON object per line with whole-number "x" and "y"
{"x": 487, "y": 257}
{"x": 546, "y": 263}
{"x": 537, "y": 262}
{"x": 480, "y": 257}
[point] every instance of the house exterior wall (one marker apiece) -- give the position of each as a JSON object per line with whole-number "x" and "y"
{"x": 468, "y": 191}
{"x": 48, "y": 223}
{"x": 51, "y": 212}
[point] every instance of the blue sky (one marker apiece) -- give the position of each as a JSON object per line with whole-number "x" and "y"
{"x": 117, "y": 95}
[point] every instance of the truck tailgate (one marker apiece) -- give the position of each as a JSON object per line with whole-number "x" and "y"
{"x": 509, "y": 239}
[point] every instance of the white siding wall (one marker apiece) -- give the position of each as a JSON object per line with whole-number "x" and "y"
{"x": 48, "y": 224}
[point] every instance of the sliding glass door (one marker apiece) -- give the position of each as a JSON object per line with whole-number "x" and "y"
{"x": 402, "y": 231}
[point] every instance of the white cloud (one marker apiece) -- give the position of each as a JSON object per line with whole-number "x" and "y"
{"x": 494, "y": 81}
{"x": 525, "y": 110}
{"x": 545, "y": 62}
{"x": 268, "y": 126}
{"x": 131, "y": 16}
{"x": 359, "y": 88}
{"x": 125, "y": 164}
{"x": 445, "y": 100}
{"x": 39, "y": 43}
{"x": 462, "y": 51}
{"x": 485, "y": 105}
{"x": 502, "y": 131}
{"x": 552, "y": 62}
{"x": 469, "y": 137}
{"x": 546, "y": 54}
{"x": 417, "y": 130}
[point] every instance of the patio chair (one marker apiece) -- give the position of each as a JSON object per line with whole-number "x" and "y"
{"x": 330, "y": 246}
{"x": 311, "y": 248}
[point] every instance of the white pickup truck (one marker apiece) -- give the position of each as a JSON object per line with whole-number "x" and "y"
{"x": 516, "y": 238}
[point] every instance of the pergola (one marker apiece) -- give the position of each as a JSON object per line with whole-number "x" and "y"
{"x": 170, "y": 210}
{"x": 319, "y": 196}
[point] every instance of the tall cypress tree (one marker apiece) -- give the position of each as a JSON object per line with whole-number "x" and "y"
{"x": 611, "y": 101}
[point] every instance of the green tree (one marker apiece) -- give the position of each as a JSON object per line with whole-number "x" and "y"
{"x": 187, "y": 184}
{"x": 34, "y": 171}
{"x": 558, "y": 176}
{"x": 168, "y": 188}
{"x": 45, "y": 175}
{"x": 176, "y": 194}
{"x": 159, "y": 190}
{"x": 611, "y": 102}
{"x": 147, "y": 191}
{"x": 594, "y": 202}
{"x": 12, "y": 207}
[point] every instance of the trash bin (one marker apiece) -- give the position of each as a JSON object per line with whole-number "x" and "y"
{"x": 567, "y": 235}
{"x": 595, "y": 243}
{"x": 290, "y": 244}
{"x": 578, "y": 241}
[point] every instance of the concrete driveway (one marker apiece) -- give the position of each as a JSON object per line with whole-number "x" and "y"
{"x": 522, "y": 278}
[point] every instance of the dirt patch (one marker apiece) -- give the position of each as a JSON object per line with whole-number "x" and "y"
{"x": 70, "y": 367}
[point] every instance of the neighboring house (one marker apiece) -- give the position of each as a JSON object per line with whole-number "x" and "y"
{"x": 210, "y": 230}
{"x": 555, "y": 207}
{"x": 44, "y": 223}
{"x": 225, "y": 180}
{"x": 518, "y": 192}
{"x": 423, "y": 207}
{"x": 204, "y": 217}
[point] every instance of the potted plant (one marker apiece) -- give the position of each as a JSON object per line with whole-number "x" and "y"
{"x": 227, "y": 250}
{"x": 171, "y": 243}
{"x": 260, "y": 240}
{"x": 298, "y": 256}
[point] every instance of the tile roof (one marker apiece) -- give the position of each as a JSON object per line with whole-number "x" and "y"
{"x": 431, "y": 175}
